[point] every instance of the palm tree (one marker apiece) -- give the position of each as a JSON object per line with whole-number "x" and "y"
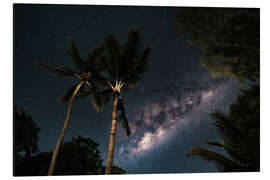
{"x": 125, "y": 64}
{"x": 240, "y": 131}
{"x": 87, "y": 72}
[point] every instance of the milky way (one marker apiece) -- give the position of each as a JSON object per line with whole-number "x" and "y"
{"x": 155, "y": 123}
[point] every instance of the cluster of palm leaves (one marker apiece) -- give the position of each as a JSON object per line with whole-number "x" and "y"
{"x": 240, "y": 130}
{"x": 109, "y": 68}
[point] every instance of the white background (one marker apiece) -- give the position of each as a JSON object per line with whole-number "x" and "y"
{"x": 6, "y": 81}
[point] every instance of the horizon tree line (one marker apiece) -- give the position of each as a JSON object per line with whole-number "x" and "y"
{"x": 78, "y": 156}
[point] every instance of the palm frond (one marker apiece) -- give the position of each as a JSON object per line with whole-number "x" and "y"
{"x": 73, "y": 52}
{"x": 143, "y": 61}
{"x": 120, "y": 105}
{"x": 94, "y": 53}
{"x": 139, "y": 68}
{"x": 99, "y": 81}
{"x": 226, "y": 128}
{"x": 125, "y": 63}
{"x": 122, "y": 118}
{"x": 68, "y": 95}
{"x": 130, "y": 49}
{"x": 56, "y": 70}
{"x": 108, "y": 64}
{"x": 217, "y": 144}
{"x": 236, "y": 152}
{"x": 81, "y": 94}
{"x": 100, "y": 99}
{"x": 223, "y": 163}
{"x": 113, "y": 47}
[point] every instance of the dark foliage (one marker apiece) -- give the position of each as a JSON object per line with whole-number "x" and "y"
{"x": 126, "y": 63}
{"x": 25, "y": 134}
{"x": 115, "y": 170}
{"x": 101, "y": 98}
{"x": 240, "y": 132}
{"x": 36, "y": 165}
{"x": 229, "y": 39}
{"x": 80, "y": 156}
{"x": 122, "y": 118}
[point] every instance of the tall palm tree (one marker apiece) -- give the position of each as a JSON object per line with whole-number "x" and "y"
{"x": 240, "y": 131}
{"x": 87, "y": 72}
{"x": 125, "y": 65}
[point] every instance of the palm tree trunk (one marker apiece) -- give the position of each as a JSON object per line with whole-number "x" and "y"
{"x": 112, "y": 135}
{"x": 56, "y": 150}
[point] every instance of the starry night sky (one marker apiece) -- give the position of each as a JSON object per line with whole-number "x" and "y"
{"x": 167, "y": 112}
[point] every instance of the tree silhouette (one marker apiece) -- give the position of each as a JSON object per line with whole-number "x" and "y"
{"x": 125, "y": 65}
{"x": 25, "y": 135}
{"x": 80, "y": 156}
{"x": 240, "y": 132}
{"x": 114, "y": 170}
{"x": 87, "y": 73}
{"x": 228, "y": 37}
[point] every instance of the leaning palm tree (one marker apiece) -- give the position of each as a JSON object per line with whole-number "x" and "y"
{"x": 125, "y": 65}
{"x": 87, "y": 73}
{"x": 240, "y": 131}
